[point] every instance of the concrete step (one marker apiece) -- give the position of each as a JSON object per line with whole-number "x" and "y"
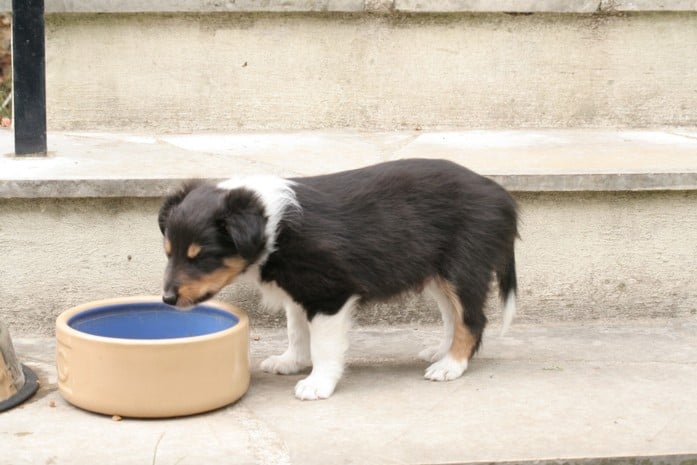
{"x": 198, "y": 65}
{"x": 87, "y": 164}
{"x": 583, "y": 393}
{"x": 608, "y": 218}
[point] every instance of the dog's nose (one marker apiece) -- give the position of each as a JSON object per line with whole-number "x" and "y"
{"x": 170, "y": 297}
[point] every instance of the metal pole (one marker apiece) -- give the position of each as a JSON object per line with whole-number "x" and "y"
{"x": 29, "y": 77}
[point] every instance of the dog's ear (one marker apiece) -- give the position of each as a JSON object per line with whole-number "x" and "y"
{"x": 244, "y": 221}
{"x": 173, "y": 200}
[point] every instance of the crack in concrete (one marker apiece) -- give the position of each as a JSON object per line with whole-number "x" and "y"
{"x": 266, "y": 444}
{"x": 157, "y": 445}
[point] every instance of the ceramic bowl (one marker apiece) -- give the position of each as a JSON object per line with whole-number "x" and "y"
{"x": 137, "y": 357}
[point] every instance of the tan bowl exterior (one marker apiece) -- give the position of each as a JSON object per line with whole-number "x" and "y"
{"x": 148, "y": 378}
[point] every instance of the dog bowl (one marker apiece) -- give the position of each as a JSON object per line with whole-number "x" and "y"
{"x": 137, "y": 357}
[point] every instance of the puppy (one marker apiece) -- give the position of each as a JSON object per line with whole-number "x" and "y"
{"x": 318, "y": 246}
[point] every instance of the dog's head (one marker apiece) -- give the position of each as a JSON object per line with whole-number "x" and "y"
{"x": 211, "y": 235}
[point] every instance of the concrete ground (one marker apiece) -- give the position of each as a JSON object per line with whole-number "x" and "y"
{"x": 566, "y": 393}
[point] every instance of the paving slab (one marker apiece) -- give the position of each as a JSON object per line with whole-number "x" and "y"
{"x": 564, "y": 393}
{"x": 89, "y": 164}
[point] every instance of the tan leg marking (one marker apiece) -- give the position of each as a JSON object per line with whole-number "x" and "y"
{"x": 168, "y": 246}
{"x": 463, "y": 340}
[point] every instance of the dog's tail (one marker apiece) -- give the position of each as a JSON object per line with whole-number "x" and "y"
{"x": 508, "y": 284}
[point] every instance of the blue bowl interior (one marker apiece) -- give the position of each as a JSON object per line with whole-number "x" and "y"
{"x": 151, "y": 320}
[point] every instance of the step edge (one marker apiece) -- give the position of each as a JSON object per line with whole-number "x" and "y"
{"x": 362, "y": 6}
{"x": 660, "y": 459}
{"x": 524, "y": 183}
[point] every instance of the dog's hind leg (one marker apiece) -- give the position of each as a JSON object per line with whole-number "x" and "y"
{"x": 437, "y": 352}
{"x": 467, "y": 327}
{"x": 297, "y": 355}
{"x": 328, "y": 343}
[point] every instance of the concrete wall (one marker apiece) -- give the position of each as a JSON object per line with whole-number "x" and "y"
{"x": 156, "y": 73}
{"x": 582, "y": 256}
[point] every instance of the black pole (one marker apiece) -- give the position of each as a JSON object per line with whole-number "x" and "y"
{"x": 29, "y": 77}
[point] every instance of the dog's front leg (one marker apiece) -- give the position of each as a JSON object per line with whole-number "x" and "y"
{"x": 297, "y": 355}
{"x": 328, "y": 344}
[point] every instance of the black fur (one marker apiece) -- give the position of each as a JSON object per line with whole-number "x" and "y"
{"x": 374, "y": 232}
{"x": 379, "y": 231}
{"x": 244, "y": 221}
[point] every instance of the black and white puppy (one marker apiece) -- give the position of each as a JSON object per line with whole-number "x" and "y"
{"x": 317, "y": 246}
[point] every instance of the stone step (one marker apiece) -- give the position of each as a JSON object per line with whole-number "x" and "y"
{"x": 88, "y": 164}
{"x": 608, "y": 218}
{"x": 200, "y": 65}
{"x": 583, "y": 393}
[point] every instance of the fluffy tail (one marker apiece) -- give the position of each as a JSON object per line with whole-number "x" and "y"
{"x": 507, "y": 287}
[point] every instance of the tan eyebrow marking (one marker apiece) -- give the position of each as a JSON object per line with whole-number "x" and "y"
{"x": 193, "y": 250}
{"x": 168, "y": 246}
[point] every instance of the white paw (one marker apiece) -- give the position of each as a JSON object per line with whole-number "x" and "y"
{"x": 446, "y": 369}
{"x": 314, "y": 387}
{"x": 284, "y": 364}
{"x": 433, "y": 354}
